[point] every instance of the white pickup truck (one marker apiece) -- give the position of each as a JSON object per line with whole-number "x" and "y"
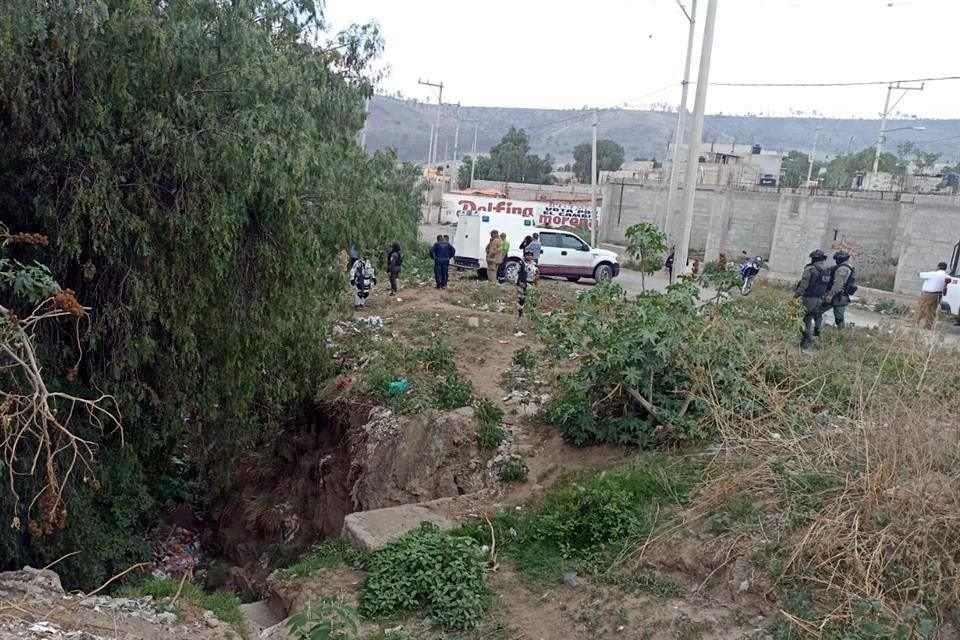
{"x": 563, "y": 255}
{"x": 950, "y": 302}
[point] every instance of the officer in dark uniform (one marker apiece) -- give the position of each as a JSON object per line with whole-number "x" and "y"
{"x": 812, "y": 288}
{"x": 838, "y": 296}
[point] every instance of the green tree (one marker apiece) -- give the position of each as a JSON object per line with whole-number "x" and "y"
{"x": 511, "y": 161}
{"x": 647, "y": 245}
{"x": 194, "y": 166}
{"x": 923, "y": 160}
{"x": 609, "y": 158}
{"x": 795, "y": 167}
{"x": 842, "y": 169}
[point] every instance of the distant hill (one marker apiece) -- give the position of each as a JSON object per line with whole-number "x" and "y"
{"x": 405, "y": 125}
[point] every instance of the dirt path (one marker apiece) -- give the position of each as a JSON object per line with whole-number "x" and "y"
{"x": 476, "y": 319}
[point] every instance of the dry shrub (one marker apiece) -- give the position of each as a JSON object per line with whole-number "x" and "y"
{"x": 864, "y": 506}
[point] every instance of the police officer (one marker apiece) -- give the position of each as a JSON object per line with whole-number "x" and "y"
{"x": 812, "y": 288}
{"x": 838, "y": 296}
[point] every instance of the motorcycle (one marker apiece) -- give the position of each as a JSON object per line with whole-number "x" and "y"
{"x": 748, "y": 273}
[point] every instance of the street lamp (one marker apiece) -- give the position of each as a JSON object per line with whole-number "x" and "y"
{"x": 883, "y": 138}
{"x": 813, "y": 154}
{"x": 887, "y": 108}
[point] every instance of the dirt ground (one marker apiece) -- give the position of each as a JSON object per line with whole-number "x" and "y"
{"x": 478, "y": 321}
{"x": 484, "y": 354}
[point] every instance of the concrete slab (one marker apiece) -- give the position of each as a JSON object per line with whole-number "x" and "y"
{"x": 371, "y": 530}
{"x": 260, "y": 616}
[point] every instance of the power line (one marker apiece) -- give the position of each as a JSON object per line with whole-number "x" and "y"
{"x": 870, "y": 83}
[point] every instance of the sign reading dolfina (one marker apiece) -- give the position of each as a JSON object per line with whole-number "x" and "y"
{"x": 553, "y": 214}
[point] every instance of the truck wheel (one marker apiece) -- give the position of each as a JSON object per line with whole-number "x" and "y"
{"x": 603, "y": 273}
{"x": 512, "y": 271}
{"x": 574, "y": 278}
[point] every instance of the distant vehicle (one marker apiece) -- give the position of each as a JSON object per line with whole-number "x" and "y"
{"x": 563, "y": 254}
{"x": 950, "y": 302}
{"x": 769, "y": 180}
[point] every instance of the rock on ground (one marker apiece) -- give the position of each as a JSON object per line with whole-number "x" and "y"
{"x": 33, "y": 605}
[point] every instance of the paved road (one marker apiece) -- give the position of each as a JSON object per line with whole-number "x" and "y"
{"x": 632, "y": 282}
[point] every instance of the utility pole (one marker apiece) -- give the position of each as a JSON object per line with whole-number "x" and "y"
{"x": 813, "y": 155}
{"x": 456, "y": 135}
{"x": 363, "y": 132}
{"x": 593, "y": 183}
{"x": 435, "y": 136}
{"x": 887, "y": 108}
{"x": 681, "y": 117}
{"x": 430, "y": 146}
{"x": 696, "y": 139}
{"x": 473, "y": 156}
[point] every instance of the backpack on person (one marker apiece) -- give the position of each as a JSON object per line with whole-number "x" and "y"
{"x": 820, "y": 285}
{"x": 850, "y": 286}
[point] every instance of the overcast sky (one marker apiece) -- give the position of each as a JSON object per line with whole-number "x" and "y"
{"x": 534, "y": 53}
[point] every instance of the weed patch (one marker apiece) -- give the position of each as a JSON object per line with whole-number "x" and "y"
{"x": 489, "y": 416}
{"x": 428, "y": 570}
{"x": 584, "y": 523}
{"x": 406, "y": 380}
{"x": 512, "y": 469}
{"x": 329, "y": 554}
{"x": 225, "y": 606}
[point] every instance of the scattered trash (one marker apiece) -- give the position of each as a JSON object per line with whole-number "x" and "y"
{"x": 570, "y": 579}
{"x": 398, "y": 386}
{"x": 473, "y": 323}
{"x": 373, "y": 321}
{"x": 176, "y": 551}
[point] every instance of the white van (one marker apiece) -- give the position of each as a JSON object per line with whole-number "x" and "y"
{"x": 564, "y": 254}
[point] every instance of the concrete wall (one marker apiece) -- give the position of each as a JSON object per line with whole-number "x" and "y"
{"x": 782, "y": 225}
{"x": 929, "y": 237}
{"x": 519, "y": 191}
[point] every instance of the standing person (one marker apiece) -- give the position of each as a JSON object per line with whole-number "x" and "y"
{"x": 843, "y": 286}
{"x": 394, "y": 263}
{"x": 442, "y": 252}
{"x": 502, "y": 266}
{"x": 437, "y": 254}
{"x": 494, "y": 254}
{"x": 535, "y": 247}
{"x": 526, "y": 276}
{"x": 813, "y": 286}
{"x": 669, "y": 265}
{"x": 363, "y": 277}
{"x": 526, "y": 242}
{"x": 934, "y": 283}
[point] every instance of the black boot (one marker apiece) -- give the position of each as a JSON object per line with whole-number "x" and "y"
{"x": 816, "y": 333}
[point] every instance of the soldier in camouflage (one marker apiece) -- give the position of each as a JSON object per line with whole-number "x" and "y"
{"x": 812, "y": 288}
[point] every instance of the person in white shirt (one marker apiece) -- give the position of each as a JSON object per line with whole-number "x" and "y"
{"x": 934, "y": 282}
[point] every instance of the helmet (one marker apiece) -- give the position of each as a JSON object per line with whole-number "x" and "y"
{"x": 758, "y": 260}
{"x": 841, "y": 256}
{"x": 817, "y": 255}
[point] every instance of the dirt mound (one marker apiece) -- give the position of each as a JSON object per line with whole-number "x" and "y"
{"x": 351, "y": 458}
{"x": 34, "y": 605}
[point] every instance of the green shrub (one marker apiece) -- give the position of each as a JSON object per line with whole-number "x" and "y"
{"x": 645, "y": 364}
{"x": 430, "y": 570}
{"x": 524, "y": 358}
{"x": 452, "y": 392}
{"x": 332, "y": 619}
{"x": 512, "y": 469}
